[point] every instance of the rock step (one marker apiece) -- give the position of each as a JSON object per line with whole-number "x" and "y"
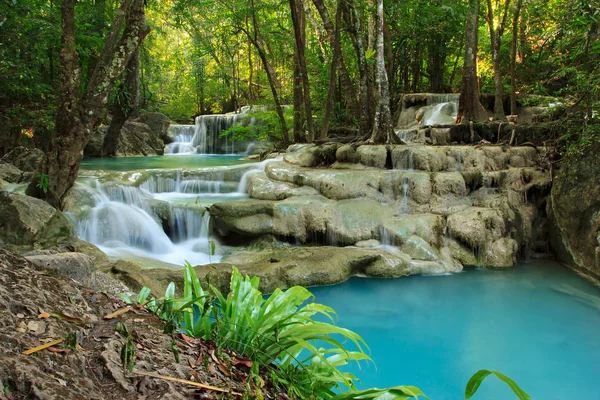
{"x": 414, "y": 157}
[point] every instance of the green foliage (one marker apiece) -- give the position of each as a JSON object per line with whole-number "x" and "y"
{"x": 128, "y": 348}
{"x": 579, "y": 133}
{"x": 393, "y": 393}
{"x": 480, "y": 375}
{"x": 266, "y": 126}
{"x": 43, "y": 182}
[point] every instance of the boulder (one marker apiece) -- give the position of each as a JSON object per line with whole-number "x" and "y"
{"x": 10, "y": 173}
{"x": 347, "y": 154}
{"x": 76, "y": 266}
{"x": 136, "y": 139}
{"x": 262, "y": 188}
{"x": 373, "y": 156}
{"x": 476, "y": 227}
{"x": 27, "y": 221}
{"x": 575, "y": 211}
{"x": 158, "y": 123}
{"x": 27, "y": 160}
{"x": 303, "y": 155}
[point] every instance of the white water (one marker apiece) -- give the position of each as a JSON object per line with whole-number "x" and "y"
{"x": 204, "y": 136}
{"x": 441, "y": 109}
{"x": 162, "y": 219}
{"x": 404, "y": 202}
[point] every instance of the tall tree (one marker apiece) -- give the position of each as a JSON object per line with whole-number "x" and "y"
{"x": 496, "y": 40}
{"x": 356, "y": 35}
{"x": 299, "y": 23}
{"x": 383, "y": 131}
{"x": 346, "y": 83}
{"x": 77, "y": 113}
{"x": 513, "y": 58}
{"x": 337, "y": 60}
{"x": 470, "y": 108}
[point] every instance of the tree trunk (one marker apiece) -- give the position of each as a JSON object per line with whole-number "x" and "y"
{"x": 513, "y": 59}
{"x": 337, "y": 56}
{"x": 470, "y": 108}
{"x": 299, "y": 136}
{"x": 345, "y": 82}
{"x": 382, "y": 124}
{"x": 299, "y": 23}
{"x": 496, "y": 41}
{"x": 254, "y": 37}
{"x": 77, "y": 115}
{"x": 125, "y": 107}
{"x": 356, "y": 34}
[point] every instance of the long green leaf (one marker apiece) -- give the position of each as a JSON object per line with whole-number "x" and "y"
{"x": 479, "y": 377}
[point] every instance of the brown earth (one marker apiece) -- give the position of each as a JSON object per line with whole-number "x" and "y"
{"x": 36, "y": 308}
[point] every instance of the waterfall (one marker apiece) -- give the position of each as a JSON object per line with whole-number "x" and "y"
{"x": 189, "y": 224}
{"x": 182, "y": 138}
{"x": 404, "y": 202}
{"x": 204, "y": 137}
{"x": 258, "y": 167}
{"x": 118, "y": 219}
{"x": 458, "y": 161}
{"x": 426, "y": 109}
{"x": 130, "y": 221}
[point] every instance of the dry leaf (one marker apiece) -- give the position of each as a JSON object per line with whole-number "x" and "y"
{"x": 241, "y": 361}
{"x": 224, "y": 370}
{"x": 118, "y": 313}
{"x": 44, "y": 315}
{"x": 58, "y": 350}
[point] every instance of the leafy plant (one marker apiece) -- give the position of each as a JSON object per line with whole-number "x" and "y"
{"x": 128, "y": 349}
{"x": 479, "y": 377}
{"x": 43, "y": 182}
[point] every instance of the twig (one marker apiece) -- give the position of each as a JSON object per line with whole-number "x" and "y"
{"x": 42, "y": 347}
{"x": 186, "y": 382}
{"x": 118, "y": 313}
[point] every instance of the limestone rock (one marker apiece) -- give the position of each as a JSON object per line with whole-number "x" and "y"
{"x": 159, "y": 123}
{"x": 76, "y": 266}
{"x": 501, "y": 254}
{"x": 136, "y": 139}
{"x": 477, "y": 227}
{"x": 27, "y": 221}
{"x": 10, "y": 173}
{"x": 302, "y": 155}
{"x": 25, "y": 159}
{"x": 347, "y": 154}
{"x": 575, "y": 209}
{"x": 262, "y": 188}
{"x": 373, "y": 156}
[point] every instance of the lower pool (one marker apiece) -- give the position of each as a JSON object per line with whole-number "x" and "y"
{"x": 538, "y": 323}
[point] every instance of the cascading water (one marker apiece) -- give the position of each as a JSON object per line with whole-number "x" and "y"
{"x": 205, "y": 136}
{"x": 182, "y": 139}
{"x": 432, "y": 109}
{"x": 404, "y": 202}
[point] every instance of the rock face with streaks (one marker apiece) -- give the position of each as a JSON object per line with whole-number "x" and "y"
{"x": 575, "y": 211}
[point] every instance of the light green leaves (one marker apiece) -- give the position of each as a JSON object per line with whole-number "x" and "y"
{"x": 479, "y": 377}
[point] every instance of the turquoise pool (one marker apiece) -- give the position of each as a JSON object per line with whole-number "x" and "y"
{"x": 155, "y": 162}
{"x": 538, "y": 323}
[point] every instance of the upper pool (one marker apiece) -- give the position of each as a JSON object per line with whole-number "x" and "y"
{"x": 537, "y": 323}
{"x": 157, "y": 162}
